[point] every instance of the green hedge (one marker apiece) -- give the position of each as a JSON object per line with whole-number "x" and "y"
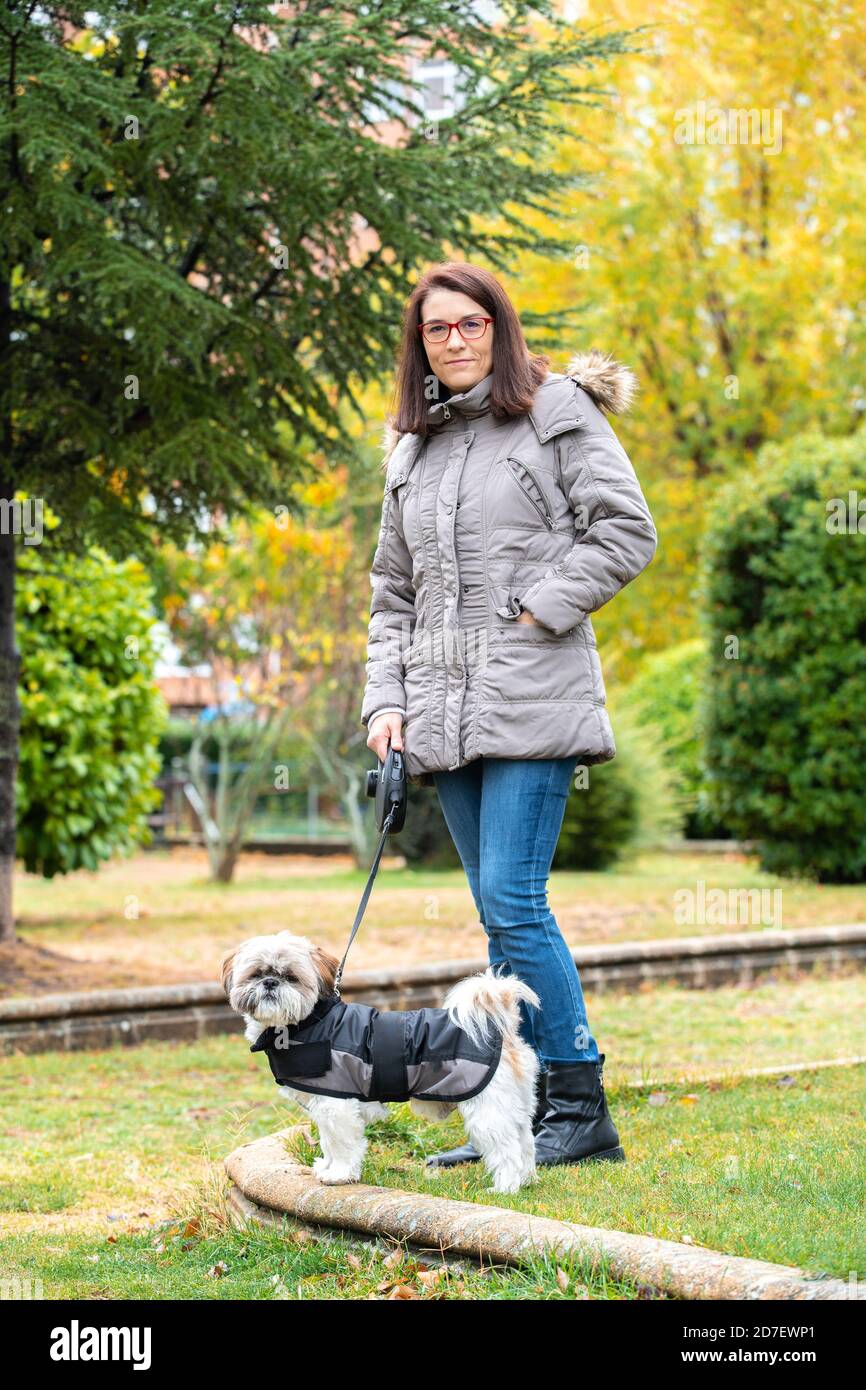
{"x": 627, "y": 804}
{"x": 91, "y": 713}
{"x": 425, "y": 839}
{"x": 665, "y": 697}
{"x": 786, "y": 720}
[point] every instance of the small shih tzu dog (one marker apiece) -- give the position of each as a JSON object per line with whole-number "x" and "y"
{"x": 341, "y": 1062}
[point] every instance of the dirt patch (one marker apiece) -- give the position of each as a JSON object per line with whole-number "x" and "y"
{"x": 26, "y": 969}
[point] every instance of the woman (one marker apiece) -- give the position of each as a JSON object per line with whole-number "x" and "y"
{"x": 511, "y": 512}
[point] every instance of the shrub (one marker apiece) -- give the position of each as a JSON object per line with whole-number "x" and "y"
{"x": 425, "y": 838}
{"x": 91, "y": 714}
{"x": 627, "y": 804}
{"x": 665, "y": 698}
{"x": 786, "y": 718}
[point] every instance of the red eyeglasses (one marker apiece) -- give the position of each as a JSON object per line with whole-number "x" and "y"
{"x": 469, "y": 328}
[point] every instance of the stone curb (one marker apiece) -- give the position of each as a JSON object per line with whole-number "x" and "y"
{"x": 265, "y": 1173}
{"x": 99, "y": 1018}
{"x": 242, "y": 1211}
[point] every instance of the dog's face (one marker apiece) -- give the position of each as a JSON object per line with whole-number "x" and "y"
{"x": 277, "y": 979}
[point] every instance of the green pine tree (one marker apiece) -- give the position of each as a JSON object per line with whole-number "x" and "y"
{"x": 183, "y": 187}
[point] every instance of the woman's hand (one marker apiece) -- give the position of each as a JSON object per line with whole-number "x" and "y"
{"x": 526, "y": 617}
{"x": 383, "y": 728}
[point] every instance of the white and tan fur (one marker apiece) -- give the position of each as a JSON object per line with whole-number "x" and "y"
{"x": 274, "y": 981}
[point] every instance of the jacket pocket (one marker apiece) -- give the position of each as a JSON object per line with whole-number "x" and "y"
{"x": 531, "y": 488}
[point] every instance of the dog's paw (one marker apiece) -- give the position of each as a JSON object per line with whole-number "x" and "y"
{"x": 510, "y": 1183}
{"x": 374, "y": 1110}
{"x": 335, "y": 1177}
{"x": 332, "y": 1174}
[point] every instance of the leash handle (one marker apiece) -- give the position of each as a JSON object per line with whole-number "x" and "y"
{"x": 362, "y": 906}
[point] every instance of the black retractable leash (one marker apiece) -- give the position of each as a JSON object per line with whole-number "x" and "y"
{"x": 388, "y": 784}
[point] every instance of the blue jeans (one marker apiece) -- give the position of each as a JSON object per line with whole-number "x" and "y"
{"x": 505, "y": 815}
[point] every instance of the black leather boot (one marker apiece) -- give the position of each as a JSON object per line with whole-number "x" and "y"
{"x": 576, "y": 1125}
{"x": 467, "y": 1153}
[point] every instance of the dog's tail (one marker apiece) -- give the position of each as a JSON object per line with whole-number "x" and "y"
{"x": 481, "y": 1000}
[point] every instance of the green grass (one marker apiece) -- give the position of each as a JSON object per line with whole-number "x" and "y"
{"x": 98, "y": 1149}
{"x": 185, "y": 1260}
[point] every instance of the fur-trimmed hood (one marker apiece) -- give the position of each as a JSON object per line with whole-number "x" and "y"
{"x": 610, "y": 385}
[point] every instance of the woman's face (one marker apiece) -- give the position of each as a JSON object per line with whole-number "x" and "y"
{"x": 457, "y": 363}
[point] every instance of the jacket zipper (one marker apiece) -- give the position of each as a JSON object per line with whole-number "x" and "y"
{"x": 542, "y": 512}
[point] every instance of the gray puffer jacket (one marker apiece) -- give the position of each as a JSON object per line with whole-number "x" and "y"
{"x": 481, "y": 520}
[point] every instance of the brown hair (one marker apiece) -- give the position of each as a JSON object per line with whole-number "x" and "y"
{"x": 517, "y": 373}
{"x": 326, "y": 967}
{"x": 226, "y": 966}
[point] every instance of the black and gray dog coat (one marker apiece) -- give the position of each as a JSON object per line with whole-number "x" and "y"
{"x": 356, "y": 1052}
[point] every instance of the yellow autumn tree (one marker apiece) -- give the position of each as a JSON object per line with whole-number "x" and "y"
{"x": 721, "y": 252}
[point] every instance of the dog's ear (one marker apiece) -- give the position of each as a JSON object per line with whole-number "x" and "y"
{"x": 326, "y": 969}
{"x": 226, "y": 965}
